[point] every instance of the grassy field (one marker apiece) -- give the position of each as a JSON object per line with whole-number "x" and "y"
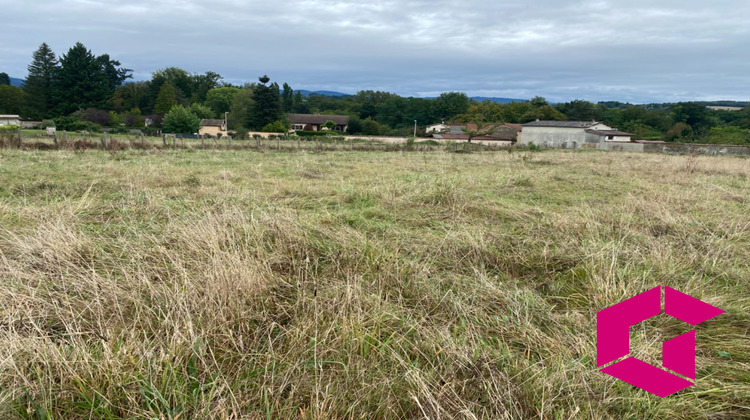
{"x": 240, "y": 284}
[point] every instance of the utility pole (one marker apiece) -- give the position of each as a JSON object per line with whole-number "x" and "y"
{"x": 415, "y": 129}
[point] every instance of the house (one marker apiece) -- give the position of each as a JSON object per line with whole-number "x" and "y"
{"x": 599, "y": 136}
{"x": 10, "y": 120}
{"x": 31, "y": 124}
{"x": 213, "y": 128}
{"x": 435, "y": 128}
{"x": 505, "y": 134}
{"x": 315, "y": 122}
{"x": 570, "y": 134}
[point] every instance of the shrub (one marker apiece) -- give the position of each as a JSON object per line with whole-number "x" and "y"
{"x": 275, "y": 127}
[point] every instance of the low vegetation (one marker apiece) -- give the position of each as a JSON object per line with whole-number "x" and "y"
{"x": 239, "y": 284}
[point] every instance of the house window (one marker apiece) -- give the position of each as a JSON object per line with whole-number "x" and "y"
{"x": 298, "y": 126}
{"x": 610, "y": 137}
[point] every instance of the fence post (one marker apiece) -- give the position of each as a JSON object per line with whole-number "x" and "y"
{"x": 278, "y": 143}
{"x": 20, "y": 138}
{"x": 164, "y": 139}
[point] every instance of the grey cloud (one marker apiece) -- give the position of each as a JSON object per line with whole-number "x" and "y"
{"x": 598, "y": 50}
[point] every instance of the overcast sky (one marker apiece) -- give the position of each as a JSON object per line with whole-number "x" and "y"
{"x": 637, "y": 51}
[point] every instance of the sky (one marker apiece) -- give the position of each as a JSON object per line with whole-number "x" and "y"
{"x": 632, "y": 51}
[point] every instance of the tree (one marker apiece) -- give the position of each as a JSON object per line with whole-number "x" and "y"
{"x": 287, "y": 98}
{"x": 202, "y": 84}
{"x": 693, "y": 114}
{"x": 479, "y": 129}
{"x": 728, "y": 135}
{"x": 86, "y": 80}
{"x": 450, "y": 104}
{"x": 40, "y": 82}
{"x": 486, "y": 111}
{"x": 4, "y": 79}
{"x": 181, "y": 121}
{"x": 202, "y": 111}
{"x": 266, "y": 107}
{"x": 12, "y": 100}
{"x": 545, "y": 112}
{"x": 166, "y": 99}
{"x": 579, "y": 110}
{"x": 133, "y": 118}
{"x": 300, "y": 105}
{"x": 131, "y": 95}
{"x": 220, "y": 99}
{"x": 240, "y": 110}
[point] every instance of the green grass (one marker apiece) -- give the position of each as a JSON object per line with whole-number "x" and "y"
{"x": 239, "y": 284}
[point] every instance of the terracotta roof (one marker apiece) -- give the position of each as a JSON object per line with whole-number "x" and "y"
{"x": 562, "y": 124}
{"x": 318, "y": 119}
{"x": 212, "y": 123}
{"x": 610, "y": 133}
{"x": 516, "y": 127}
{"x": 450, "y": 136}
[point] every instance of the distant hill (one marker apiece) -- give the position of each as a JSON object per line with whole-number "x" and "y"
{"x": 476, "y": 98}
{"x": 498, "y": 100}
{"x": 16, "y": 82}
{"x": 321, "y": 92}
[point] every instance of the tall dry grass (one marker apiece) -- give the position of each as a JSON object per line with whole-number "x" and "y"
{"x": 360, "y": 285}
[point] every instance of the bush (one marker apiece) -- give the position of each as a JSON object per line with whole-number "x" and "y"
{"x": 275, "y": 127}
{"x": 71, "y": 123}
{"x": 47, "y": 123}
{"x": 303, "y": 133}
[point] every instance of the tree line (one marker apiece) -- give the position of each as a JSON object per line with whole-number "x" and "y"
{"x": 80, "y": 90}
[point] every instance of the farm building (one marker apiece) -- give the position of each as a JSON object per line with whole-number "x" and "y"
{"x": 10, "y": 120}
{"x": 315, "y": 122}
{"x": 570, "y": 134}
{"x": 213, "y": 128}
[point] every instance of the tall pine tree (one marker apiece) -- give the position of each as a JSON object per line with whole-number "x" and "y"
{"x": 266, "y": 107}
{"x": 87, "y": 81}
{"x": 40, "y": 83}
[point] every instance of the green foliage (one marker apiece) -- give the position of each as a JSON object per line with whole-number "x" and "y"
{"x": 40, "y": 82}
{"x": 12, "y": 100}
{"x": 180, "y": 120}
{"x": 48, "y": 123}
{"x": 728, "y": 135}
{"x": 133, "y": 118}
{"x": 681, "y": 132}
{"x": 220, "y": 99}
{"x": 4, "y": 79}
{"x": 303, "y": 133}
{"x": 71, "y": 123}
{"x": 166, "y": 100}
{"x": 329, "y": 125}
{"x": 579, "y": 110}
{"x": 287, "y": 98}
{"x": 239, "y": 112}
{"x": 266, "y": 106}
{"x": 449, "y": 104}
{"x": 371, "y": 127}
{"x": 131, "y": 95}
{"x": 86, "y": 80}
{"x": 202, "y": 111}
{"x": 275, "y": 127}
{"x": 545, "y": 112}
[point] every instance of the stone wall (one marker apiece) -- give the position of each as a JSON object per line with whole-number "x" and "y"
{"x": 697, "y": 149}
